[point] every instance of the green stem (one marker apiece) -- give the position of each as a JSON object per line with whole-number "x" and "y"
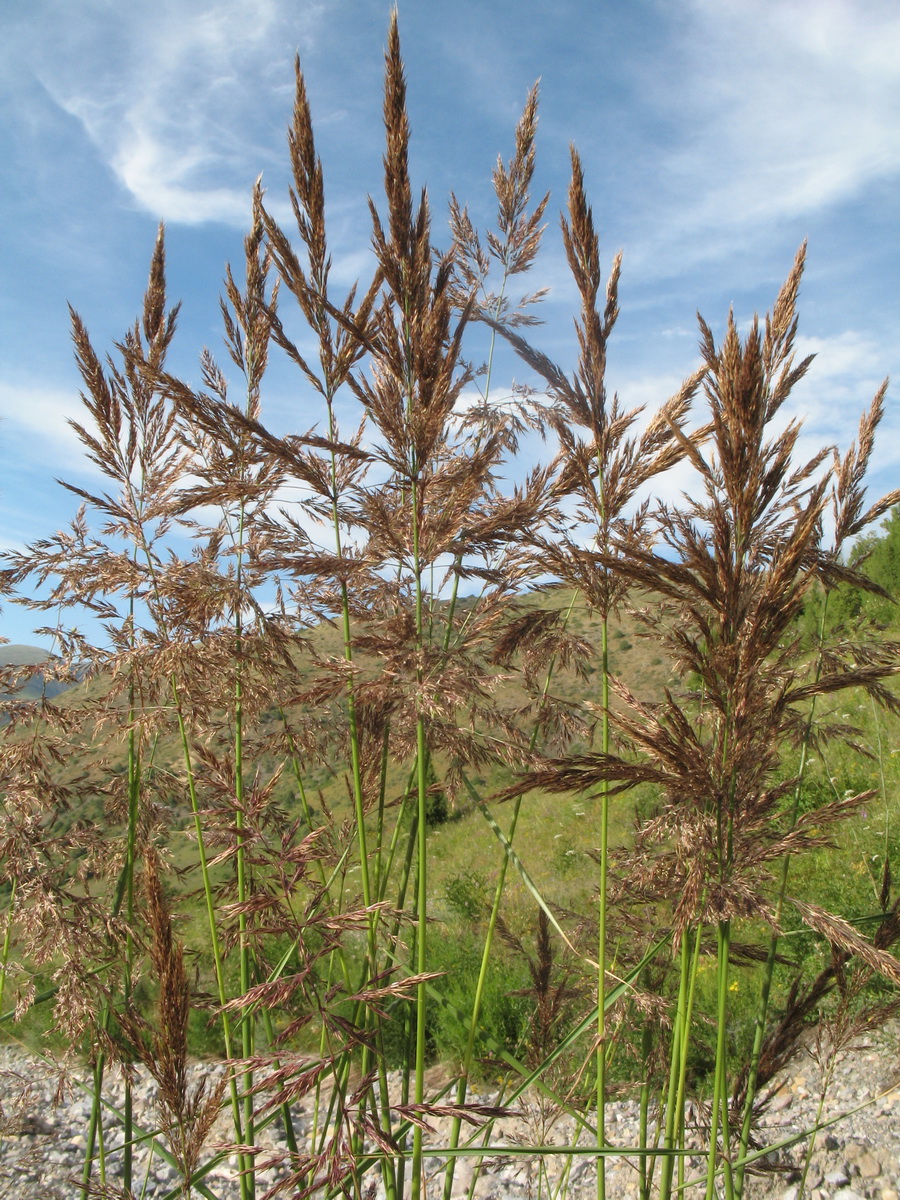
{"x": 678, "y": 1045}
{"x": 94, "y": 1120}
{"x": 7, "y": 940}
{"x": 644, "y": 1118}
{"x": 371, "y": 966}
{"x": 475, "y": 1012}
{"x": 462, "y": 1085}
{"x": 248, "y": 1175}
{"x": 209, "y": 900}
{"x": 421, "y": 938}
{"x": 811, "y": 1144}
{"x": 685, "y": 1046}
{"x": 769, "y": 971}
{"x": 124, "y": 893}
{"x": 602, "y": 916}
{"x": 421, "y": 959}
{"x": 134, "y": 784}
{"x": 719, "y": 1119}
{"x": 603, "y": 538}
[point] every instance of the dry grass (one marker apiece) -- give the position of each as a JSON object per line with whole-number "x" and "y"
{"x": 376, "y": 631}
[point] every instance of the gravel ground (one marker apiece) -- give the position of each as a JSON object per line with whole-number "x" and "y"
{"x": 42, "y": 1141}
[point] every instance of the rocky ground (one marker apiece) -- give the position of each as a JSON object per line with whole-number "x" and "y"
{"x": 43, "y": 1138}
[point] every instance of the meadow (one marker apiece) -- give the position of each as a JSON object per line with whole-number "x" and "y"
{"x": 380, "y": 764}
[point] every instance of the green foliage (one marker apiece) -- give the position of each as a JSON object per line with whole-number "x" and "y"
{"x": 468, "y": 895}
{"x": 505, "y": 1014}
{"x": 877, "y": 555}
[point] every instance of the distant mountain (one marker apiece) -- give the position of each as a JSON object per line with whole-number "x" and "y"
{"x": 16, "y": 655}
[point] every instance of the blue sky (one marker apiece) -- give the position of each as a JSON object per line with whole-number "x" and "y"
{"x": 716, "y": 135}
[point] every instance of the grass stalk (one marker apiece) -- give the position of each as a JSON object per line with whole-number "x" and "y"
{"x": 208, "y": 895}
{"x": 677, "y": 1064}
{"x": 212, "y": 924}
{"x": 134, "y": 783}
{"x": 484, "y": 966}
{"x": 142, "y": 547}
{"x": 94, "y": 1121}
{"x": 477, "y": 998}
{"x": 248, "y": 1179}
{"x": 813, "y": 1136}
{"x": 360, "y": 819}
{"x": 719, "y": 1122}
{"x": 287, "y": 1120}
{"x": 601, "y": 1057}
{"x": 421, "y": 856}
{"x": 768, "y": 974}
{"x": 124, "y": 893}
{"x": 683, "y": 1054}
{"x": 645, "y": 1175}
{"x": 7, "y": 940}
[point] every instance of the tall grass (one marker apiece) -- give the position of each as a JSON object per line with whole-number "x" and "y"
{"x": 170, "y": 811}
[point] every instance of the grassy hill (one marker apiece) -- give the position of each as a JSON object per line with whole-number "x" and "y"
{"x": 37, "y": 685}
{"x": 556, "y": 837}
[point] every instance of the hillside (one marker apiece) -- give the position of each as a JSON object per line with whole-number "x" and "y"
{"x": 17, "y": 655}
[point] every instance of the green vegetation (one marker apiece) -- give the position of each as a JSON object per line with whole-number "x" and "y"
{"x": 351, "y": 790}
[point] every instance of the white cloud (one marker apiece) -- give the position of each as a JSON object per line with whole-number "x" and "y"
{"x": 840, "y": 383}
{"x": 175, "y": 97}
{"x": 830, "y": 400}
{"x": 37, "y": 415}
{"x": 772, "y": 110}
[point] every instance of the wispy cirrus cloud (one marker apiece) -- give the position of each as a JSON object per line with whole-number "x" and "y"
{"x": 768, "y": 112}
{"x": 839, "y": 386}
{"x": 177, "y": 98}
{"x": 33, "y": 411}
